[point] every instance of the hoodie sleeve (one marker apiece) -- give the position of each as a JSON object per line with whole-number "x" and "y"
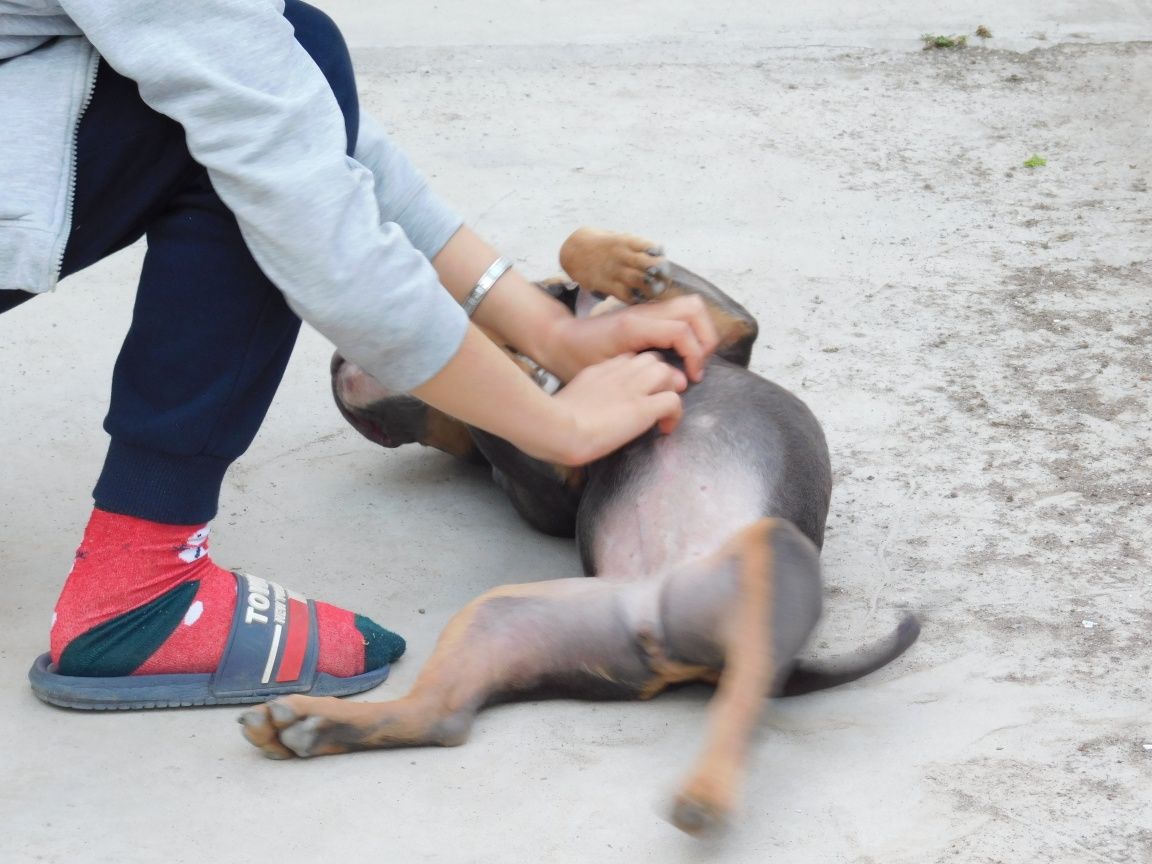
{"x": 402, "y": 193}
{"x": 260, "y": 117}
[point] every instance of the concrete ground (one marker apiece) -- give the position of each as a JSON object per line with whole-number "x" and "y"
{"x": 974, "y": 334}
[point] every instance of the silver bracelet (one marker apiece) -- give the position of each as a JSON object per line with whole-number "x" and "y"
{"x": 499, "y": 267}
{"x": 544, "y": 379}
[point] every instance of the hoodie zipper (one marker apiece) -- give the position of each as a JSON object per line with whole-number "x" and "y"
{"x": 73, "y": 155}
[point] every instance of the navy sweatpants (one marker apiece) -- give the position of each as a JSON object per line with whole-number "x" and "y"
{"x": 210, "y": 335}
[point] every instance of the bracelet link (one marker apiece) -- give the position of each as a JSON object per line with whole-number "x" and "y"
{"x": 480, "y": 290}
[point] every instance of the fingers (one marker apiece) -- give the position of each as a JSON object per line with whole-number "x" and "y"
{"x": 648, "y": 374}
{"x": 681, "y": 338}
{"x": 668, "y": 409}
{"x": 635, "y": 375}
{"x": 693, "y": 311}
{"x": 682, "y": 325}
{"x": 700, "y": 320}
{"x": 615, "y": 401}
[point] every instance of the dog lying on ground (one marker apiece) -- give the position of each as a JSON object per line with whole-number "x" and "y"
{"x": 705, "y": 544}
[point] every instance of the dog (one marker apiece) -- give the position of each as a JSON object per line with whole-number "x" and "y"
{"x": 705, "y": 543}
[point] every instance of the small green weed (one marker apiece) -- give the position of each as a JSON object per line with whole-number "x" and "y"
{"x": 931, "y": 41}
{"x": 1035, "y": 161}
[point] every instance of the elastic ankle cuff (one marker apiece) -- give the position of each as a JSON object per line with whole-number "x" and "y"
{"x": 161, "y": 487}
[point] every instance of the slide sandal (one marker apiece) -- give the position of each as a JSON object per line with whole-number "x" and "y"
{"x": 272, "y": 650}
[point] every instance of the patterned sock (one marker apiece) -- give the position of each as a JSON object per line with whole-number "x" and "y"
{"x": 145, "y": 598}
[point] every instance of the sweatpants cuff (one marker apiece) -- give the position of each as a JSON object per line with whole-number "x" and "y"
{"x": 161, "y": 487}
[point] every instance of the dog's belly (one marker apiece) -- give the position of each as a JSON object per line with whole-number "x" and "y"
{"x": 681, "y": 505}
{"x": 745, "y": 448}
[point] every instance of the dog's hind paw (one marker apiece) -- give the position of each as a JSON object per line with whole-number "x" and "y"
{"x": 695, "y": 816}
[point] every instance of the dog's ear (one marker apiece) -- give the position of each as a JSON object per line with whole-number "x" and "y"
{"x": 734, "y": 324}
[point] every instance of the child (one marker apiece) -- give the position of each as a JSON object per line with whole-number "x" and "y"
{"x": 228, "y": 133}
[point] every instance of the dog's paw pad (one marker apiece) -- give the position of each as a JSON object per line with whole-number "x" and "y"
{"x": 301, "y": 737}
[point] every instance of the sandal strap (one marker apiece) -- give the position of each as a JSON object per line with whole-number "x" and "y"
{"x": 274, "y": 646}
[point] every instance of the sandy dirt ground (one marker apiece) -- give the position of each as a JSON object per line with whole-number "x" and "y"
{"x": 975, "y": 335}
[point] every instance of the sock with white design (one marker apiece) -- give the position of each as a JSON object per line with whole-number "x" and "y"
{"x": 145, "y": 598}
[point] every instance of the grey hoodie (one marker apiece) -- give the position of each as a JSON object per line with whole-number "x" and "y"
{"x": 347, "y": 240}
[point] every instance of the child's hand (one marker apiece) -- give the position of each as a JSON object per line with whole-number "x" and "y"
{"x": 682, "y": 325}
{"x": 612, "y": 402}
{"x": 604, "y": 407}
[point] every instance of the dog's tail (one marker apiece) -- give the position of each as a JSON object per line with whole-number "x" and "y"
{"x": 807, "y": 678}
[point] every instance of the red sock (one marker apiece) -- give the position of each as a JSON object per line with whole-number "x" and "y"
{"x": 125, "y": 563}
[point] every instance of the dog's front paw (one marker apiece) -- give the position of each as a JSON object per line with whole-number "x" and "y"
{"x": 624, "y": 266}
{"x": 294, "y": 726}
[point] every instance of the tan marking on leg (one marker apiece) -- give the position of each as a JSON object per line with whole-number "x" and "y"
{"x": 573, "y": 478}
{"x": 447, "y": 433}
{"x": 667, "y": 671}
{"x": 711, "y": 791}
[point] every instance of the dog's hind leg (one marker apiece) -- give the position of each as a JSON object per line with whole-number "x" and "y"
{"x": 759, "y": 604}
{"x": 567, "y": 637}
{"x": 393, "y": 419}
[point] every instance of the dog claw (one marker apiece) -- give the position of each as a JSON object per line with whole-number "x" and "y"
{"x": 251, "y": 717}
{"x": 655, "y": 251}
{"x": 655, "y": 282}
